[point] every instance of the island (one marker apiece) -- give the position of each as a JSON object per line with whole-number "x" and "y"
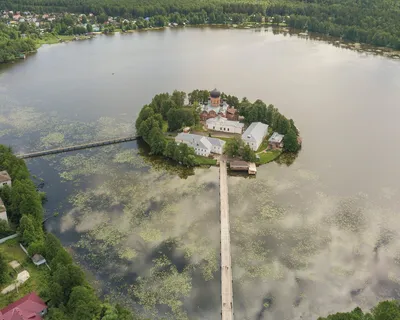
{"x": 201, "y": 127}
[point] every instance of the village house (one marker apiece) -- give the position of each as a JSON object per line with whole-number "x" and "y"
{"x": 3, "y": 211}
{"x": 202, "y": 145}
{"x": 5, "y": 178}
{"x": 222, "y": 124}
{"x": 216, "y": 106}
{"x": 30, "y": 307}
{"x": 276, "y": 141}
{"x": 255, "y": 134}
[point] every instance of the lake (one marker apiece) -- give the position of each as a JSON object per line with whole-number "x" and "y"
{"x": 316, "y": 237}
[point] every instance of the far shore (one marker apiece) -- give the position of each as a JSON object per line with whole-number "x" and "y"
{"x": 359, "y": 47}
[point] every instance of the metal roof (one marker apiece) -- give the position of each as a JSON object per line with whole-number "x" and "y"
{"x": 255, "y": 132}
{"x": 276, "y": 137}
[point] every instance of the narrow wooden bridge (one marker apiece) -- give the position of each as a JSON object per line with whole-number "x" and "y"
{"x": 226, "y": 263}
{"x": 76, "y": 147}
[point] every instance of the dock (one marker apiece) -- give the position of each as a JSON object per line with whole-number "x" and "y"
{"x": 76, "y": 147}
{"x": 239, "y": 165}
{"x": 226, "y": 263}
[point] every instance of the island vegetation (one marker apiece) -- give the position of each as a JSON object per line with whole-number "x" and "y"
{"x": 69, "y": 294}
{"x": 167, "y": 114}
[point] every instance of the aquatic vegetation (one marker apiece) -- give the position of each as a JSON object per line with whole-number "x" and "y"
{"x": 166, "y": 286}
{"x": 55, "y": 138}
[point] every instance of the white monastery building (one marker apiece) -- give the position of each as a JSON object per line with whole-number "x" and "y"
{"x": 202, "y": 145}
{"x": 255, "y": 134}
{"x": 224, "y": 125}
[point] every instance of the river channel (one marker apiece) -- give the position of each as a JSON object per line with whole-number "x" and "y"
{"x": 316, "y": 237}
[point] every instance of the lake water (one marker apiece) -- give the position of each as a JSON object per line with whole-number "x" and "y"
{"x": 309, "y": 239}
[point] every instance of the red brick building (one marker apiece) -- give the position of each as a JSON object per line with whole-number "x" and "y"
{"x": 216, "y": 106}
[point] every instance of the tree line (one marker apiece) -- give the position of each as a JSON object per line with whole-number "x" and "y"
{"x": 70, "y": 295}
{"x": 385, "y": 310}
{"x": 12, "y": 45}
{"x": 373, "y": 22}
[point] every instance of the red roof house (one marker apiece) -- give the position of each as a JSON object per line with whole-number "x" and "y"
{"x": 30, "y": 307}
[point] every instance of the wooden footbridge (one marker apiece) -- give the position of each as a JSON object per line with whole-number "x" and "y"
{"x": 226, "y": 263}
{"x": 76, "y": 147}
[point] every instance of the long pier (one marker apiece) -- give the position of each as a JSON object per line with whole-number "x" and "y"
{"x": 76, "y": 147}
{"x": 226, "y": 263}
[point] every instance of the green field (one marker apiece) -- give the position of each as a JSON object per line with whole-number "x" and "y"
{"x": 268, "y": 156}
{"x": 204, "y": 161}
{"x": 38, "y": 275}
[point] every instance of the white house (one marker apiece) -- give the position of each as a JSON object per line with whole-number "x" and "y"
{"x": 3, "y": 212}
{"x": 202, "y": 146}
{"x": 224, "y": 125}
{"x": 5, "y": 178}
{"x": 255, "y": 134}
{"x": 217, "y": 145}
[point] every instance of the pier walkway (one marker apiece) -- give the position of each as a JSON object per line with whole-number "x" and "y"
{"x": 76, "y": 147}
{"x": 226, "y": 263}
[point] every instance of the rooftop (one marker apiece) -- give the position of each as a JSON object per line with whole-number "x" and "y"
{"x": 276, "y": 137}
{"x": 216, "y": 142}
{"x": 25, "y": 308}
{"x": 4, "y": 176}
{"x": 255, "y": 132}
{"x": 225, "y": 121}
{"x": 194, "y": 140}
{"x": 215, "y": 93}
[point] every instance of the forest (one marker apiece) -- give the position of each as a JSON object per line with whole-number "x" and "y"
{"x": 12, "y": 45}
{"x": 69, "y": 294}
{"x": 373, "y": 22}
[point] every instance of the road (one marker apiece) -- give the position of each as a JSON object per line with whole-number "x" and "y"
{"x": 226, "y": 263}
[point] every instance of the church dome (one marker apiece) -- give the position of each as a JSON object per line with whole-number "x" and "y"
{"x": 215, "y": 93}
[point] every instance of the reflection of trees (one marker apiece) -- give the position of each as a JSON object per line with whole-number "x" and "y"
{"x": 287, "y": 158}
{"x": 160, "y": 163}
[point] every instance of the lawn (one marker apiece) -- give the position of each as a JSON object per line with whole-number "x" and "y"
{"x": 38, "y": 275}
{"x": 49, "y": 38}
{"x": 204, "y": 161}
{"x": 268, "y": 156}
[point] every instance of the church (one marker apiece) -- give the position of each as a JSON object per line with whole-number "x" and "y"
{"x": 216, "y": 106}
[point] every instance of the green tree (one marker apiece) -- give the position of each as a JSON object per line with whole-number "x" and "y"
{"x": 83, "y": 304}
{"x": 386, "y": 310}
{"x": 62, "y": 258}
{"x": 178, "y": 97}
{"x": 169, "y": 151}
{"x": 156, "y": 141}
{"x": 67, "y": 277}
{"x": 290, "y": 142}
{"x": 28, "y": 230}
{"x": 53, "y": 246}
{"x": 3, "y": 269}
{"x": 56, "y": 314}
{"x": 233, "y": 147}
{"x": 248, "y": 154}
{"x": 89, "y": 28}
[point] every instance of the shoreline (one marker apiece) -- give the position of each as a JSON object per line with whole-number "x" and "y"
{"x": 337, "y": 42}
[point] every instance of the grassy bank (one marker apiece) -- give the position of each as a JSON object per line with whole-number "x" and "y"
{"x": 50, "y": 38}
{"x": 268, "y": 156}
{"x": 39, "y": 276}
{"x": 204, "y": 161}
